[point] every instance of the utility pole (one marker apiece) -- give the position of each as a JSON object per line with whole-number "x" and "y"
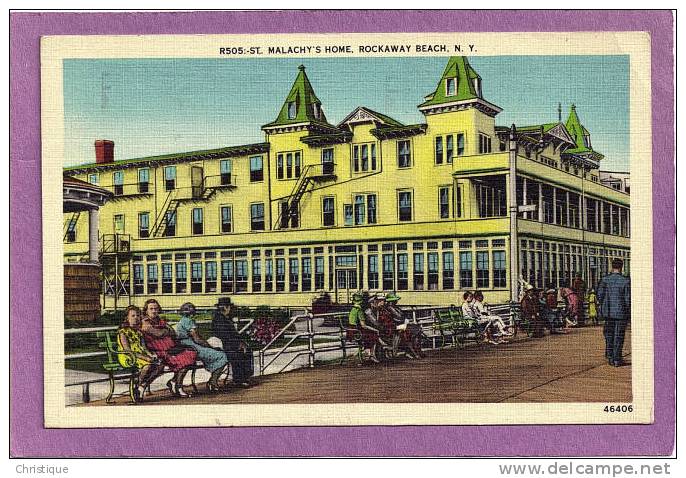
{"x": 514, "y": 210}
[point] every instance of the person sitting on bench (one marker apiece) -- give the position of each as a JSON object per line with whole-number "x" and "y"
{"x": 496, "y": 321}
{"x": 357, "y": 323}
{"x": 236, "y": 350}
{"x": 135, "y": 353}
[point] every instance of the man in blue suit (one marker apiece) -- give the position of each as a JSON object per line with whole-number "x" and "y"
{"x": 614, "y": 300}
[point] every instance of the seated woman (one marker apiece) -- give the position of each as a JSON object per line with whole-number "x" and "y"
{"x": 357, "y": 324}
{"x": 469, "y": 311}
{"x": 134, "y": 352}
{"x": 161, "y": 340}
{"x": 496, "y": 321}
{"x": 215, "y": 361}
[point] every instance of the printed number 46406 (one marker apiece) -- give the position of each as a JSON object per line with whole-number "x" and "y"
{"x": 618, "y": 408}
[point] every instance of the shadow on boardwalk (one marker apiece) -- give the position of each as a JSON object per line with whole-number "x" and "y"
{"x": 559, "y": 368}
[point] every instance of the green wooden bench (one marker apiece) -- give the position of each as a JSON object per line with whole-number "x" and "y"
{"x": 456, "y": 329}
{"x": 116, "y": 372}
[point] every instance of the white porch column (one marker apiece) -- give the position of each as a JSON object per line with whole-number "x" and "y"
{"x": 93, "y": 241}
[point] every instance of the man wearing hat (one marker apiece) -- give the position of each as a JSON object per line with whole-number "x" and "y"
{"x": 531, "y": 311}
{"x": 237, "y": 351}
{"x": 357, "y": 321}
{"x": 408, "y": 336}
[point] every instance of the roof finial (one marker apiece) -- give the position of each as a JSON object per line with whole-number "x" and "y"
{"x": 301, "y": 68}
{"x": 559, "y": 112}
{"x": 573, "y": 107}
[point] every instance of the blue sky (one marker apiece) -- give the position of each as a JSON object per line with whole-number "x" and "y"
{"x": 157, "y": 106}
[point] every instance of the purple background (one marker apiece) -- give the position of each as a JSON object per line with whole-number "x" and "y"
{"x": 28, "y": 438}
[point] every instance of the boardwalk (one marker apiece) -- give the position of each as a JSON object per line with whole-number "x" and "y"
{"x": 560, "y": 368}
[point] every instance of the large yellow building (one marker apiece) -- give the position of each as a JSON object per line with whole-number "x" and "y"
{"x": 369, "y": 203}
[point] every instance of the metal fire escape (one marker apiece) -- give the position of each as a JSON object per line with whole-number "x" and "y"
{"x": 311, "y": 174}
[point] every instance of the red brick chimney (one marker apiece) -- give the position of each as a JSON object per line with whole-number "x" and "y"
{"x": 104, "y": 151}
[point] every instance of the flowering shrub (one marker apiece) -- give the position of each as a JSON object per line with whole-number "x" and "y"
{"x": 263, "y": 330}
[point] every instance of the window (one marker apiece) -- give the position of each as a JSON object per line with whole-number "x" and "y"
{"x": 499, "y": 273}
{"x": 405, "y": 205}
{"x": 624, "y": 221}
{"x": 169, "y": 178}
{"x": 119, "y": 224}
{"x": 71, "y": 229}
{"x": 143, "y": 180}
{"x": 359, "y": 210}
{"x": 118, "y": 181}
{"x": 482, "y": 270}
{"x": 448, "y": 270}
{"x": 152, "y": 278}
{"x": 404, "y": 159}
{"x": 241, "y": 275}
{"x": 319, "y": 273}
{"x": 225, "y": 172}
{"x": 402, "y": 271}
{"x": 450, "y": 86}
{"x": 466, "y": 274}
{"x": 138, "y": 279}
{"x": 181, "y": 278}
{"x": 94, "y": 178}
{"x": 257, "y": 217}
{"x": 458, "y": 201}
{"x": 196, "y": 277}
{"x": 460, "y": 144}
{"x": 490, "y": 196}
{"x": 226, "y": 213}
{"x": 256, "y": 172}
{"x": 197, "y": 221}
{"x": 307, "y": 274}
{"x": 439, "y": 149}
{"x": 144, "y": 225}
{"x": 387, "y": 271}
{"x": 614, "y": 212}
{"x": 348, "y": 214}
{"x": 167, "y": 279}
{"x": 327, "y": 161}
{"x": 280, "y": 275}
{"x": 292, "y": 110}
{"x": 364, "y": 157}
{"x": 170, "y": 223}
{"x": 316, "y": 110}
{"x": 371, "y": 208}
{"x": 484, "y": 144}
{"x": 418, "y": 274}
{"x": 256, "y": 275}
{"x": 210, "y": 276}
{"x": 328, "y": 212}
{"x": 548, "y": 204}
{"x": 227, "y": 276}
{"x": 444, "y": 202}
{"x": 560, "y": 207}
{"x": 293, "y": 274}
{"x": 268, "y": 275}
{"x": 293, "y": 165}
{"x": 373, "y": 271}
{"x": 449, "y": 148}
{"x": 432, "y": 259}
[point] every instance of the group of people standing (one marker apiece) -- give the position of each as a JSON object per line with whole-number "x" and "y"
{"x": 612, "y": 303}
{"x": 149, "y": 343}
{"x": 379, "y": 324}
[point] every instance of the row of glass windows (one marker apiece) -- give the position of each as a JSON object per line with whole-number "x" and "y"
{"x": 544, "y": 264}
{"x": 566, "y": 208}
{"x": 387, "y": 267}
{"x": 170, "y": 179}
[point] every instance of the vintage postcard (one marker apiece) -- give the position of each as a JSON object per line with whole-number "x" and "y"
{"x": 347, "y": 229}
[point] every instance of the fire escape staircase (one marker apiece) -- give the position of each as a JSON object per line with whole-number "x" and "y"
{"x": 73, "y": 219}
{"x": 167, "y": 211}
{"x": 313, "y": 173}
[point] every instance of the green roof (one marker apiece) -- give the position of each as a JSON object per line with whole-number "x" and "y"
{"x": 227, "y": 152}
{"x": 386, "y": 119}
{"x": 308, "y": 108}
{"x": 578, "y": 133}
{"x": 458, "y": 67}
{"x": 537, "y": 127}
